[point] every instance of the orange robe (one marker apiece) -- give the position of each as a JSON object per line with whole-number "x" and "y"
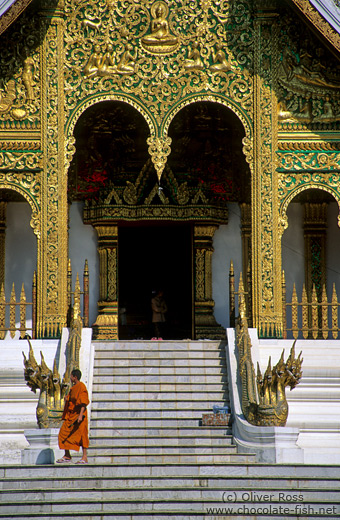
{"x": 72, "y": 436}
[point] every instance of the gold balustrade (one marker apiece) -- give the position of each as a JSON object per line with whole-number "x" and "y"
{"x": 313, "y": 317}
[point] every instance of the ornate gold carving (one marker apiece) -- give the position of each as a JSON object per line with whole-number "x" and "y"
{"x": 205, "y": 323}
{"x": 159, "y": 149}
{"x": 266, "y": 258}
{"x": 159, "y": 82}
{"x": 112, "y": 274}
{"x": 106, "y": 325}
{"x": 96, "y": 62}
{"x": 200, "y": 275}
{"x": 7, "y": 96}
{"x": 304, "y": 305}
{"x": 319, "y": 22}
{"x": 314, "y": 312}
{"x": 12, "y": 13}
{"x": 20, "y": 160}
{"x": 335, "y": 328}
{"x": 3, "y": 206}
{"x": 263, "y": 398}
{"x": 28, "y": 75}
{"x": 220, "y": 61}
{"x": 160, "y": 40}
{"x": 308, "y": 146}
{"x": 126, "y": 63}
{"x": 314, "y": 306}
{"x": 294, "y": 183}
{"x": 19, "y": 145}
{"x": 309, "y": 161}
{"x": 193, "y": 61}
{"x": 52, "y": 253}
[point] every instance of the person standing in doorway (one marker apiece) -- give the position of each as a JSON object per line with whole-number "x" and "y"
{"x": 159, "y": 308}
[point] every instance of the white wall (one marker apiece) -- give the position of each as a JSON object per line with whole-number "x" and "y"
{"x": 293, "y": 255}
{"x": 333, "y": 250}
{"x": 227, "y": 246}
{"x": 20, "y": 251}
{"x": 83, "y": 245}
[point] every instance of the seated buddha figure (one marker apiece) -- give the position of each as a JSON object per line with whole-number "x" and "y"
{"x": 159, "y": 41}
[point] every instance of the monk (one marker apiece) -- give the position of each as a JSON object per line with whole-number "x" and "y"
{"x": 74, "y": 431}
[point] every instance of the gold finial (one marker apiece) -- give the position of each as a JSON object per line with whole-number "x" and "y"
{"x": 241, "y": 300}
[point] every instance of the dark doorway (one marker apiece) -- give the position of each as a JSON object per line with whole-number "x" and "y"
{"x": 155, "y": 257}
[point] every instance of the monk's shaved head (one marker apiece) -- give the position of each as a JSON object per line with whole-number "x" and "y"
{"x": 76, "y": 373}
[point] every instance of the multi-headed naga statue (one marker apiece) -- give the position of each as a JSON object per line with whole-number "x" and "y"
{"x": 263, "y": 399}
{"x": 53, "y": 390}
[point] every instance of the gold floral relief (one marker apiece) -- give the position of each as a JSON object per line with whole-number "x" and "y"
{"x": 52, "y": 271}
{"x": 142, "y": 51}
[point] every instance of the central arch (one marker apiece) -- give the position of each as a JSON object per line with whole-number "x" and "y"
{"x": 123, "y": 201}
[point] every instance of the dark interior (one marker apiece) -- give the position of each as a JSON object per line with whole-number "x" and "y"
{"x": 153, "y": 257}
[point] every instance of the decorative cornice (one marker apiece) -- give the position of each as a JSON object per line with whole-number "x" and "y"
{"x": 12, "y": 13}
{"x": 319, "y": 22}
{"x": 308, "y": 146}
{"x": 105, "y": 214}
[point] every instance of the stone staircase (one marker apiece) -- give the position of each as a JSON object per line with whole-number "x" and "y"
{"x": 148, "y": 400}
{"x": 151, "y": 458}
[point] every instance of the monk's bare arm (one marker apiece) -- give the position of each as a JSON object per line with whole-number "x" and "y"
{"x": 81, "y": 413}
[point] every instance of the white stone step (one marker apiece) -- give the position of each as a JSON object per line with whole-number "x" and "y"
{"x": 213, "y": 367}
{"x": 162, "y": 400}
{"x": 185, "y": 496}
{"x": 134, "y": 404}
{"x": 162, "y": 353}
{"x": 150, "y": 387}
{"x": 143, "y": 345}
{"x": 203, "y": 373}
{"x": 145, "y": 414}
{"x": 179, "y": 449}
{"x": 144, "y": 423}
{"x": 141, "y": 491}
{"x": 167, "y": 391}
{"x": 250, "y": 471}
{"x": 164, "y": 432}
{"x": 227, "y": 482}
{"x": 99, "y": 440}
{"x": 205, "y": 458}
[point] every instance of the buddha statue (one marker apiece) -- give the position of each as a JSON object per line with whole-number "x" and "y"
{"x": 159, "y": 41}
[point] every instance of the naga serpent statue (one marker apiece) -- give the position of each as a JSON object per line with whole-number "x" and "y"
{"x": 263, "y": 398}
{"x": 39, "y": 377}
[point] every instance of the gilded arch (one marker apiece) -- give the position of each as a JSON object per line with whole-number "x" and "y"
{"x": 26, "y": 193}
{"x": 303, "y": 182}
{"x": 226, "y": 102}
{"x": 87, "y": 103}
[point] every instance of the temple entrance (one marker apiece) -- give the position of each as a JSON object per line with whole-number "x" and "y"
{"x": 158, "y": 233}
{"x": 153, "y": 257}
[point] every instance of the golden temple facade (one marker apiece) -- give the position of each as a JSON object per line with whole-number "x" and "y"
{"x": 155, "y": 117}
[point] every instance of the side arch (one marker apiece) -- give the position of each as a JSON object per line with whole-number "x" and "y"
{"x": 90, "y": 101}
{"x": 318, "y": 185}
{"x": 26, "y": 193}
